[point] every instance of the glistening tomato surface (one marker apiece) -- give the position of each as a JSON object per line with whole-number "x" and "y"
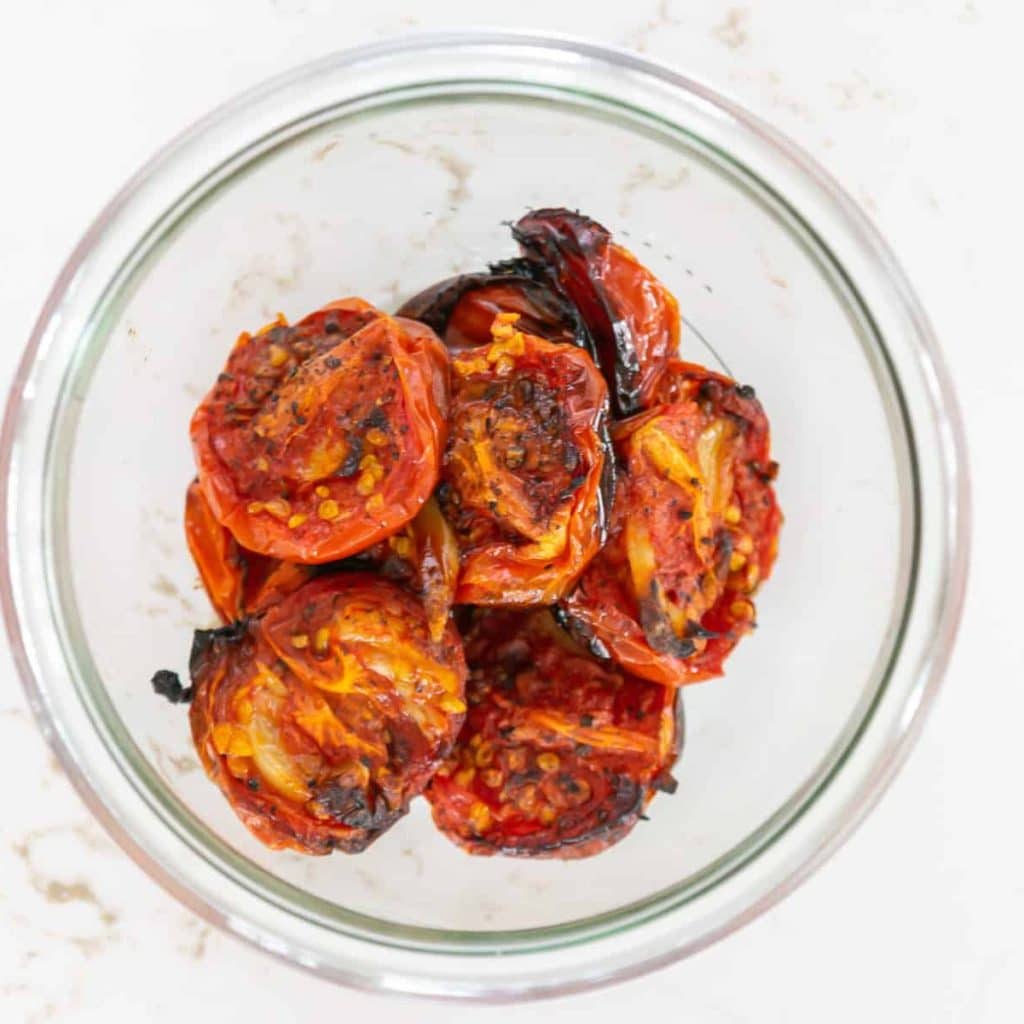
{"x": 560, "y": 753}
{"x": 424, "y": 556}
{"x": 695, "y": 530}
{"x": 526, "y": 467}
{"x": 631, "y": 317}
{"x": 322, "y": 719}
{"x": 319, "y": 439}
{"x": 462, "y": 309}
{"x": 237, "y": 582}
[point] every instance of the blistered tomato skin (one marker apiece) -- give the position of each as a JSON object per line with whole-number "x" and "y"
{"x": 237, "y": 582}
{"x": 322, "y": 719}
{"x": 694, "y": 533}
{"x": 631, "y": 318}
{"x": 319, "y": 439}
{"x": 525, "y": 477}
{"x": 560, "y": 753}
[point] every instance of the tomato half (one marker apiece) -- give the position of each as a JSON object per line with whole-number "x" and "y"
{"x": 319, "y": 439}
{"x": 462, "y": 309}
{"x": 526, "y": 468}
{"x": 631, "y": 317}
{"x": 237, "y": 582}
{"x": 560, "y": 753}
{"x": 695, "y": 531}
{"x": 322, "y": 719}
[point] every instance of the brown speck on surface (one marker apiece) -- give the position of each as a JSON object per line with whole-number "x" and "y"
{"x": 322, "y": 151}
{"x": 409, "y": 852}
{"x": 733, "y": 31}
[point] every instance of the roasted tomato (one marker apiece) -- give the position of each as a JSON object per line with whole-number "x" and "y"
{"x": 424, "y": 556}
{"x": 526, "y": 468}
{"x": 631, "y": 318}
{"x": 695, "y": 530}
{"x": 237, "y": 582}
{"x": 560, "y": 752}
{"x": 319, "y": 439}
{"x": 322, "y": 719}
{"x": 462, "y": 309}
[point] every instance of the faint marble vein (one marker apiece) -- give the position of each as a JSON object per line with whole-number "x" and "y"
{"x": 643, "y": 176}
{"x": 639, "y": 39}
{"x": 265, "y": 270}
{"x": 734, "y": 30}
{"x": 57, "y": 891}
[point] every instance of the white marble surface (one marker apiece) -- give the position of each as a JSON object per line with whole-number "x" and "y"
{"x": 911, "y": 105}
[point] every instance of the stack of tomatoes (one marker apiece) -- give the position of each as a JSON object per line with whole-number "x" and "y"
{"x": 471, "y": 551}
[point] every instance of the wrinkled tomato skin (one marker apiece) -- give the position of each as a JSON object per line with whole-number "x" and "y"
{"x": 462, "y": 309}
{"x": 525, "y": 477}
{"x": 424, "y": 557}
{"x": 560, "y": 753}
{"x": 631, "y": 317}
{"x": 317, "y": 440}
{"x": 323, "y": 718}
{"x": 678, "y": 626}
{"x": 237, "y": 582}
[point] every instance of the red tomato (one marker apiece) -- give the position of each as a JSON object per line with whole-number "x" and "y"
{"x": 525, "y": 467}
{"x": 237, "y": 582}
{"x": 560, "y": 753}
{"x": 321, "y": 720}
{"x": 320, "y": 439}
{"x": 631, "y": 317}
{"x": 694, "y": 533}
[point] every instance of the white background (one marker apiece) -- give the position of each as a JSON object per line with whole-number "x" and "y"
{"x": 914, "y": 106}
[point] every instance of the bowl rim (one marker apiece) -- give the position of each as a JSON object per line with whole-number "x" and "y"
{"x": 940, "y": 394}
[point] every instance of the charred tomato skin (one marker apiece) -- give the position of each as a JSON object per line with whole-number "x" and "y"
{"x": 461, "y": 309}
{"x": 323, "y": 718}
{"x": 318, "y": 440}
{"x": 560, "y": 753}
{"x": 631, "y": 318}
{"x": 526, "y": 473}
{"x": 671, "y": 593}
{"x": 237, "y": 582}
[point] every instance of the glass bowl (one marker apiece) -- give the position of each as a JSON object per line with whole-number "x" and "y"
{"x": 373, "y": 173}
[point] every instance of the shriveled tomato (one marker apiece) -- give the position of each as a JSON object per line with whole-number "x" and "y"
{"x": 695, "y": 530}
{"x": 560, "y": 753}
{"x": 424, "y": 556}
{"x": 526, "y": 467}
{"x": 237, "y": 582}
{"x": 462, "y": 309}
{"x": 323, "y": 718}
{"x": 319, "y": 439}
{"x": 631, "y": 317}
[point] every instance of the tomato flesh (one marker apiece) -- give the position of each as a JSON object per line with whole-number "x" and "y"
{"x": 560, "y": 753}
